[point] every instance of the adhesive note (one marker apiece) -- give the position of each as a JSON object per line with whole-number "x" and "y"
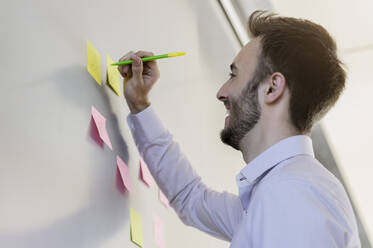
{"x": 100, "y": 122}
{"x": 124, "y": 172}
{"x": 93, "y": 131}
{"x": 162, "y": 198}
{"x": 136, "y": 228}
{"x": 145, "y": 174}
{"x": 158, "y": 232}
{"x": 112, "y": 75}
{"x": 93, "y": 62}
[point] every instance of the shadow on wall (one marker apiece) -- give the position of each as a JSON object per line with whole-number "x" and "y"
{"x": 105, "y": 212}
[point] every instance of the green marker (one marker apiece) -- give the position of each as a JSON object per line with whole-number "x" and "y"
{"x": 167, "y": 55}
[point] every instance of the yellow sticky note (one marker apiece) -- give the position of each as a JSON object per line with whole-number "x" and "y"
{"x": 112, "y": 75}
{"x": 93, "y": 62}
{"x": 136, "y": 228}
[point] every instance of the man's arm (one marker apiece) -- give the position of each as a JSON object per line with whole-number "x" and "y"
{"x": 215, "y": 213}
{"x": 212, "y": 212}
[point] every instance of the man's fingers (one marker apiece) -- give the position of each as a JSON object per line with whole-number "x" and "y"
{"x": 137, "y": 67}
{"x": 150, "y": 67}
{"x": 123, "y": 69}
{"x": 126, "y": 56}
{"x": 142, "y": 54}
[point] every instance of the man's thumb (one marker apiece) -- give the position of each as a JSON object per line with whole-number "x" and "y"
{"x": 137, "y": 67}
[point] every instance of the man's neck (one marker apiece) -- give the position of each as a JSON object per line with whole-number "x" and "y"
{"x": 261, "y": 138}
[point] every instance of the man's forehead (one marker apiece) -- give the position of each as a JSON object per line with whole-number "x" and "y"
{"x": 247, "y": 55}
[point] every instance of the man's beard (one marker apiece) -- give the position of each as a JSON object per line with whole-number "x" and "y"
{"x": 244, "y": 114}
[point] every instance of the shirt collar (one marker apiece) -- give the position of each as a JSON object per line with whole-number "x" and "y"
{"x": 280, "y": 151}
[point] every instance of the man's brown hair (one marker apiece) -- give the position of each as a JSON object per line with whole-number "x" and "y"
{"x": 306, "y": 55}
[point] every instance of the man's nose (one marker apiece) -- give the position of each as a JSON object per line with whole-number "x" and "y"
{"x": 221, "y": 94}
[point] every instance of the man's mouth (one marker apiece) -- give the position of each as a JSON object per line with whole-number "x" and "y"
{"x": 227, "y": 113}
{"x": 227, "y": 117}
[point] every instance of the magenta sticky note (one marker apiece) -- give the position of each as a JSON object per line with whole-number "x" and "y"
{"x": 124, "y": 172}
{"x": 145, "y": 174}
{"x": 93, "y": 132}
{"x": 119, "y": 182}
{"x": 162, "y": 198}
{"x": 100, "y": 122}
{"x": 159, "y": 232}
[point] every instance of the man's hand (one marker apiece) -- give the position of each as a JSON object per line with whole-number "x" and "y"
{"x": 138, "y": 80}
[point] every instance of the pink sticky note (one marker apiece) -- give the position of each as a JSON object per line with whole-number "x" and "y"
{"x": 158, "y": 232}
{"x": 145, "y": 174}
{"x": 124, "y": 172}
{"x": 119, "y": 182}
{"x": 162, "y": 198}
{"x": 93, "y": 132}
{"x": 100, "y": 122}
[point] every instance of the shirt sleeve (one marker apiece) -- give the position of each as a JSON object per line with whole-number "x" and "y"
{"x": 293, "y": 213}
{"x": 216, "y": 213}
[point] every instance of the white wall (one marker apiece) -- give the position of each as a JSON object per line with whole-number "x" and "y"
{"x": 57, "y": 188}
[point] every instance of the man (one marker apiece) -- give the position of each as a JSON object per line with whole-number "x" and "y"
{"x": 282, "y": 82}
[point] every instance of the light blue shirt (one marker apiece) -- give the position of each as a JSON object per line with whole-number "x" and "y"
{"x": 286, "y": 197}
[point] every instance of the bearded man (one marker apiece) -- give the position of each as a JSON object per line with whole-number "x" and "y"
{"x": 282, "y": 82}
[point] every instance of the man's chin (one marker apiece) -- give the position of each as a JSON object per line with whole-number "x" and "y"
{"x": 227, "y": 137}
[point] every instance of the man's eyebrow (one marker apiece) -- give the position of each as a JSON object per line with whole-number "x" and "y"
{"x": 233, "y": 67}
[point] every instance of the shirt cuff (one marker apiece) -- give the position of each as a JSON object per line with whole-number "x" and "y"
{"x": 145, "y": 125}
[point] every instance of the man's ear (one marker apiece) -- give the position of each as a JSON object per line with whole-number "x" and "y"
{"x": 275, "y": 87}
